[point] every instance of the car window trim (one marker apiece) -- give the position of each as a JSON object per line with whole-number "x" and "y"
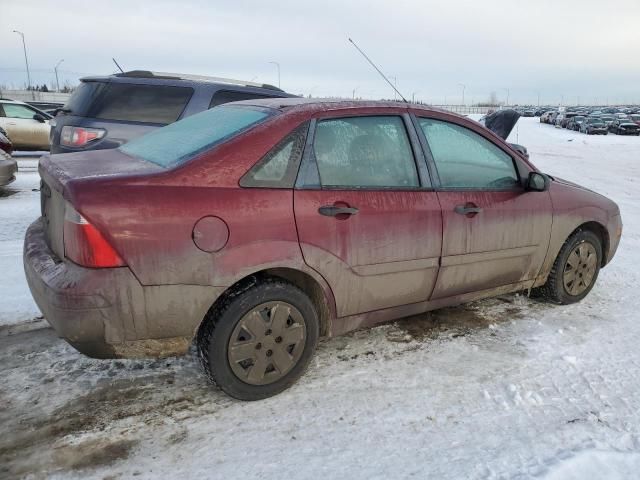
{"x": 309, "y": 174}
{"x": 433, "y": 168}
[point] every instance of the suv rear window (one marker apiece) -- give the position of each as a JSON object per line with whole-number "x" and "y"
{"x": 141, "y": 103}
{"x": 176, "y": 143}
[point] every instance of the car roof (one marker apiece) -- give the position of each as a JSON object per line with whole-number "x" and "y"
{"x": 320, "y": 104}
{"x": 166, "y": 78}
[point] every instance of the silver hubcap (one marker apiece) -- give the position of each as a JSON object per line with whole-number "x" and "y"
{"x": 267, "y": 343}
{"x": 580, "y": 269}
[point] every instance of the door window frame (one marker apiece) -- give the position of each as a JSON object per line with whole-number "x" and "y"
{"x": 309, "y": 175}
{"x": 521, "y": 171}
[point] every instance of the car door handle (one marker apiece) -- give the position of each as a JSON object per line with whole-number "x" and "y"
{"x": 333, "y": 211}
{"x": 468, "y": 209}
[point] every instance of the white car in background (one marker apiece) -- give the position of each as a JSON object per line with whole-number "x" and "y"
{"x": 27, "y": 127}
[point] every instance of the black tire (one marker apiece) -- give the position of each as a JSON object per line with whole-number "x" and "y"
{"x": 554, "y": 290}
{"x": 217, "y": 329}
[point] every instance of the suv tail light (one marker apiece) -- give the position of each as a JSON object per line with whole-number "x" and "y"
{"x": 85, "y": 245}
{"x": 80, "y": 136}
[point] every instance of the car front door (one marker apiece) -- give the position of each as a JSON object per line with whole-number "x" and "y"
{"x": 495, "y": 232}
{"x": 23, "y": 130}
{"x": 368, "y": 220}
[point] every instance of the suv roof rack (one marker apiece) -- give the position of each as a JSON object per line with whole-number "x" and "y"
{"x": 194, "y": 78}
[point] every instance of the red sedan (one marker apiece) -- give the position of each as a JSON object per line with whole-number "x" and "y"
{"x": 258, "y": 227}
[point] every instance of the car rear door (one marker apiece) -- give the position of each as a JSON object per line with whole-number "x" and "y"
{"x": 495, "y": 232}
{"x": 367, "y": 218}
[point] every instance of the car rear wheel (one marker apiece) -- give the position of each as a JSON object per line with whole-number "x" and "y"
{"x": 258, "y": 343}
{"x": 575, "y": 270}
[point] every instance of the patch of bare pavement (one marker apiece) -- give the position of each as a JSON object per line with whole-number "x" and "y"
{"x": 64, "y": 412}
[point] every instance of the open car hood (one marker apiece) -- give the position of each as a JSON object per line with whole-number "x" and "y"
{"x": 501, "y": 122}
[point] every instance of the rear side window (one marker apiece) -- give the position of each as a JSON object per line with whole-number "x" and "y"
{"x": 467, "y": 160}
{"x": 364, "y": 152}
{"x": 176, "y": 143}
{"x": 226, "y": 96}
{"x": 82, "y": 97}
{"x": 279, "y": 167}
{"x": 141, "y": 103}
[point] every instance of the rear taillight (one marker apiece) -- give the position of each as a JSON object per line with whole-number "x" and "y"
{"x": 85, "y": 245}
{"x": 79, "y": 136}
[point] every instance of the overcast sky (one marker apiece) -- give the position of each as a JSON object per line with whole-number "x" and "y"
{"x": 572, "y": 48}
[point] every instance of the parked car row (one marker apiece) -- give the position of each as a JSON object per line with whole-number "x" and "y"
{"x": 593, "y": 121}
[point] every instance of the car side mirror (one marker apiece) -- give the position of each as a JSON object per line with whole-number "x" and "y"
{"x": 39, "y": 117}
{"x": 537, "y": 182}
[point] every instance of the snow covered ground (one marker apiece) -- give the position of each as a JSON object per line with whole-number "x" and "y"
{"x": 504, "y": 388}
{"x": 19, "y": 206}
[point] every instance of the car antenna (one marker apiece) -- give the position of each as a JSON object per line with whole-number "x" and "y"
{"x": 119, "y": 67}
{"x": 378, "y": 70}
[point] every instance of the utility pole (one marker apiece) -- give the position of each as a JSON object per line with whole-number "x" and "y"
{"x": 55, "y": 69}
{"x": 463, "y": 88}
{"x": 538, "y": 92}
{"x": 278, "y": 66}
{"x": 507, "y": 104}
{"x": 26, "y": 61}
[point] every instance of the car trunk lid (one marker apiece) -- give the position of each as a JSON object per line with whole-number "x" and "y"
{"x": 501, "y": 122}
{"x": 57, "y": 172}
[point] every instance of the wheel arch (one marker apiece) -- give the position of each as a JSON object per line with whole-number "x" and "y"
{"x": 316, "y": 288}
{"x": 601, "y": 231}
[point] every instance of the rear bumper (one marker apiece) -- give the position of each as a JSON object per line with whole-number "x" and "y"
{"x": 8, "y": 169}
{"x": 107, "y": 313}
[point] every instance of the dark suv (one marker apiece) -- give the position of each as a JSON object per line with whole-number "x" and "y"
{"x": 107, "y": 111}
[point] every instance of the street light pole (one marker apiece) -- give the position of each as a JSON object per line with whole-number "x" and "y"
{"x": 278, "y": 66}
{"x": 55, "y": 69}
{"x": 26, "y": 61}
{"x": 463, "y": 88}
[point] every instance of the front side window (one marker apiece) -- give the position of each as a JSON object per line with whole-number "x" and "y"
{"x": 12, "y": 110}
{"x": 467, "y": 160}
{"x": 141, "y": 103}
{"x": 176, "y": 143}
{"x": 364, "y": 152}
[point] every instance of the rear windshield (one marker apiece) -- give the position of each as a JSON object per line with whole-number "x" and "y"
{"x": 141, "y": 103}
{"x": 176, "y": 143}
{"x": 157, "y": 104}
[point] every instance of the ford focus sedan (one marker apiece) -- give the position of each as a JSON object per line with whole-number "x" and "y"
{"x": 258, "y": 227}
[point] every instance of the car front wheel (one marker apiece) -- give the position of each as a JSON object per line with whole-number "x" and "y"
{"x": 575, "y": 270}
{"x": 258, "y": 343}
